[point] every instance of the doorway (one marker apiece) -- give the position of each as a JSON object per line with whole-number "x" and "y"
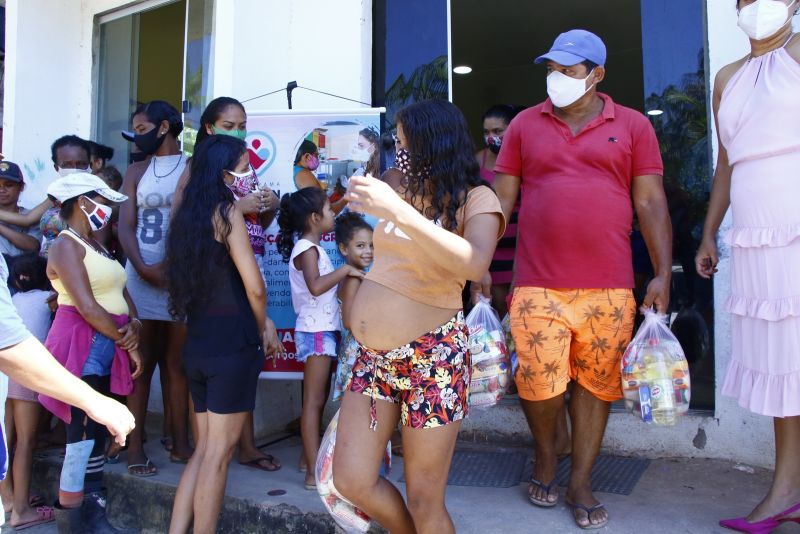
{"x": 648, "y": 69}
{"x": 159, "y": 52}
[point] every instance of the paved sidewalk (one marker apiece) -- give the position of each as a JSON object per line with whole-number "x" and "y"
{"x": 673, "y": 495}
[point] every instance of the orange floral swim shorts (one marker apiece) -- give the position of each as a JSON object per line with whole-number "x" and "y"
{"x": 570, "y": 334}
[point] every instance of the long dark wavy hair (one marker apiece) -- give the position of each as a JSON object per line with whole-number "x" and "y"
{"x": 442, "y": 157}
{"x": 190, "y": 241}
{"x": 293, "y": 216}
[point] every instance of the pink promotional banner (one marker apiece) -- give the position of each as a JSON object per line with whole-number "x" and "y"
{"x": 273, "y": 138}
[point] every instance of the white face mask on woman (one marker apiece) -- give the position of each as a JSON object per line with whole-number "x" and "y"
{"x": 66, "y": 172}
{"x": 764, "y": 18}
{"x": 564, "y": 90}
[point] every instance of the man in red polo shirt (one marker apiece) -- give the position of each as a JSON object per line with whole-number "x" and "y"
{"x": 583, "y": 164}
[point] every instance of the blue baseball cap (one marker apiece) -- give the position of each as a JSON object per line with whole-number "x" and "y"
{"x": 10, "y": 171}
{"x": 575, "y": 46}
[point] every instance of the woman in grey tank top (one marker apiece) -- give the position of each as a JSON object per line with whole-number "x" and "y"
{"x": 143, "y": 225}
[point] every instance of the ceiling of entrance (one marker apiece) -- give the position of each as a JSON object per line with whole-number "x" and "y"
{"x": 500, "y": 40}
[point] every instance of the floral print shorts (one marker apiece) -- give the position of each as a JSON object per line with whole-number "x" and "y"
{"x": 428, "y": 377}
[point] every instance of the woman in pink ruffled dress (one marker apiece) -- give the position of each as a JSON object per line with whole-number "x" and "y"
{"x": 757, "y": 108}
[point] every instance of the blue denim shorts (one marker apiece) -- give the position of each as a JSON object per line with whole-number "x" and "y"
{"x": 101, "y": 354}
{"x": 314, "y": 344}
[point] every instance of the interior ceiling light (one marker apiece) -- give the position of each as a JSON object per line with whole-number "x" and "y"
{"x": 462, "y": 69}
{"x": 655, "y": 112}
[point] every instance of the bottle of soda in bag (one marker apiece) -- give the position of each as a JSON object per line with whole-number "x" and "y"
{"x": 659, "y": 378}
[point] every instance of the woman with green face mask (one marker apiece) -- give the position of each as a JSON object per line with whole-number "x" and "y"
{"x": 226, "y": 116}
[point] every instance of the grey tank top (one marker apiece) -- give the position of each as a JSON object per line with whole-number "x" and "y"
{"x": 154, "y": 204}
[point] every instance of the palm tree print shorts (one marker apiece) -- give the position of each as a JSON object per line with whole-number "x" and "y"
{"x": 428, "y": 377}
{"x": 570, "y": 334}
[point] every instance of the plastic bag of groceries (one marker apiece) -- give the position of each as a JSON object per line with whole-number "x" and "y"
{"x": 348, "y": 352}
{"x": 491, "y": 366}
{"x": 512, "y": 348}
{"x": 655, "y": 373}
{"x": 347, "y": 516}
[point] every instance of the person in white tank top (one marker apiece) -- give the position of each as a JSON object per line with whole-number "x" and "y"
{"x": 143, "y": 225}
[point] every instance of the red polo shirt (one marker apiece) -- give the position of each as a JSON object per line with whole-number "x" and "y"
{"x": 576, "y": 211}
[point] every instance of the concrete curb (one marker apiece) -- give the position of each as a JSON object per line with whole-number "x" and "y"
{"x": 147, "y": 505}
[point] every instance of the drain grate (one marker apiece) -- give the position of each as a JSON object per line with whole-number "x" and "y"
{"x": 486, "y": 469}
{"x": 611, "y": 474}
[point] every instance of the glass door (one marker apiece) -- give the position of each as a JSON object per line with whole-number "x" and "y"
{"x": 158, "y": 53}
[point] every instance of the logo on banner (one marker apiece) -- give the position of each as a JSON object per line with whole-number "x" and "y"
{"x": 262, "y": 151}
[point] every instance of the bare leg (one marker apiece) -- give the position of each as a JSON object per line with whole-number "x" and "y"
{"x": 166, "y": 425}
{"x": 543, "y": 419}
{"x": 249, "y": 452}
{"x": 7, "y": 485}
{"x": 150, "y": 348}
{"x": 563, "y": 439}
{"x": 427, "y": 456}
{"x": 589, "y": 416}
{"x": 26, "y": 418}
{"x": 316, "y": 376}
{"x": 785, "y": 490}
{"x": 178, "y": 392}
{"x": 193, "y": 421}
{"x": 223, "y": 431}
{"x": 357, "y": 460}
{"x": 183, "y": 506}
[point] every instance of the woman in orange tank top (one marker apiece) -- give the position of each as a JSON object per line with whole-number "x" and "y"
{"x": 437, "y": 229}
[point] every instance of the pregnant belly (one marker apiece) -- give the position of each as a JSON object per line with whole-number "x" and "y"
{"x": 383, "y": 319}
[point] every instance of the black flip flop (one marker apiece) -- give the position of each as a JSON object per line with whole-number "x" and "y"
{"x": 589, "y": 510}
{"x": 546, "y": 487}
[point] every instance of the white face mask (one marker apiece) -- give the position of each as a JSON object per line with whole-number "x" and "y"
{"x": 99, "y": 217}
{"x": 564, "y": 90}
{"x": 361, "y": 154}
{"x": 764, "y": 18}
{"x": 67, "y": 172}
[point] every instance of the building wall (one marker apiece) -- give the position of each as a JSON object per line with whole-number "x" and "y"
{"x": 322, "y": 45}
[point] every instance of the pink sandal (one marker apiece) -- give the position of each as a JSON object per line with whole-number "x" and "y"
{"x": 765, "y": 526}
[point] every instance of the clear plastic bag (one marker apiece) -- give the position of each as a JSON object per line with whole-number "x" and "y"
{"x": 512, "y": 348}
{"x": 655, "y": 373}
{"x": 351, "y": 519}
{"x": 491, "y": 365}
{"x": 348, "y": 351}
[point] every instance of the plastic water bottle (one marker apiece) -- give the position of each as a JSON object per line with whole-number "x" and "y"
{"x": 662, "y": 396}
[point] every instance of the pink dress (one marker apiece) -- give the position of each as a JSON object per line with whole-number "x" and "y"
{"x": 759, "y": 125}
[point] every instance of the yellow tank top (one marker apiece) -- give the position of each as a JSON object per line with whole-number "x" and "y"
{"x": 106, "y": 277}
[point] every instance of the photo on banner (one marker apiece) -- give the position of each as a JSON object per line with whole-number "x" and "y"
{"x": 273, "y": 139}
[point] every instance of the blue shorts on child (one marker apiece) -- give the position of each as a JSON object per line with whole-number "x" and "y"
{"x": 314, "y": 344}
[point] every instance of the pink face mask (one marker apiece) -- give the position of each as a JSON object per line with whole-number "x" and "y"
{"x": 243, "y": 183}
{"x": 313, "y": 163}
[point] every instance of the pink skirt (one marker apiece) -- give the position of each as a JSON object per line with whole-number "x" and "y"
{"x": 19, "y": 392}
{"x": 764, "y": 373}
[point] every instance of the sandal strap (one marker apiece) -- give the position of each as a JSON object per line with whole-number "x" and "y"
{"x": 545, "y": 487}
{"x": 147, "y": 464}
{"x": 588, "y": 509}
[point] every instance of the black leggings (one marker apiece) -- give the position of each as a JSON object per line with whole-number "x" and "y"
{"x": 86, "y": 440}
